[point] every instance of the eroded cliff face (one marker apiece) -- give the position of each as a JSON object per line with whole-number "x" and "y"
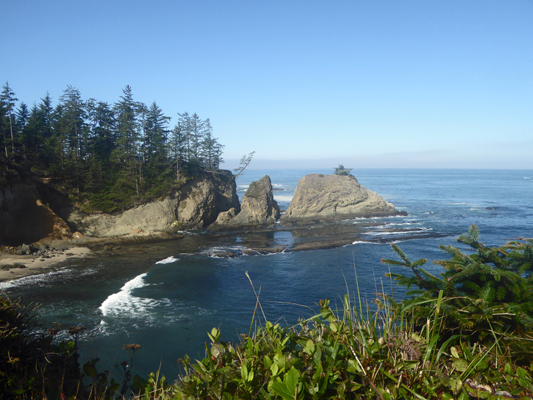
{"x": 195, "y": 205}
{"x": 324, "y": 198}
{"x": 27, "y": 212}
{"x": 258, "y": 209}
{"x": 31, "y": 211}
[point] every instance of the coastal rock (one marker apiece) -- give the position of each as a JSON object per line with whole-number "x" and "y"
{"x": 196, "y": 204}
{"x": 324, "y": 198}
{"x": 258, "y": 208}
{"x": 26, "y": 213}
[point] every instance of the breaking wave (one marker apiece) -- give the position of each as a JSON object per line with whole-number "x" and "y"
{"x": 124, "y": 303}
{"x": 168, "y": 260}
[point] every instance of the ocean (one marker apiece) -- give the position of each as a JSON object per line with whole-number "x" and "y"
{"x": 166, "y": 296}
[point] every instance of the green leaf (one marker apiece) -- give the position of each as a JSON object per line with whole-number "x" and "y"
{"x": 288, "y": 388}
{"x": 309, "y": 347}
{"x": 460, "y": 365}
{"x": 456, "y": 384}
{"x": 244, "y": 372}
{"x": 274, "y": 369}
{"x": 89, "y": 370}
{"x": 454, "y": 352}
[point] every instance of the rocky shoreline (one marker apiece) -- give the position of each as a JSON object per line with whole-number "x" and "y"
{"x": 206, "y": 207}
{"x": 258, "y": 241}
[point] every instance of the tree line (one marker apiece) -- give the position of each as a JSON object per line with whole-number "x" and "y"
{"x": 126, "y": 148}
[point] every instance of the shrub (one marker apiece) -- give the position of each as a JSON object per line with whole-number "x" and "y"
{"x": 32, "y": 364}
{"x": 488, "y": 294}
{"x": 345, "y": 355}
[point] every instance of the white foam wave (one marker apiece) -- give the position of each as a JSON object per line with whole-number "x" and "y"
{"x": 402, "y": 223}
{"x": 283, "y": 197}
{"x": 168, "y": 260}
{"x": 242, "y": 187}
{"x": 35, "y": 280}
{"x": 527, "y": 177}
{"x": 365, "y": 242}
{"x": 399, "y": 232}
{"x": 362, "y": 219}
{"x": 223, "y": 251}
{"x": 124, "y": 302}
{"x": 277, "y": 185}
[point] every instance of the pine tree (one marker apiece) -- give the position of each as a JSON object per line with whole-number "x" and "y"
{"x": 211, "y": 150}
{"x": 178, "y": 146}
{"x": 156, "y": 138}
{"x": 22, "y": 115}
{"x": 74, "y": 131}
{"x": 128, "y": 138}
{"x": 101, "y": 144}
{"x": 3, "y": 127}
{"x": 9, "y": 99}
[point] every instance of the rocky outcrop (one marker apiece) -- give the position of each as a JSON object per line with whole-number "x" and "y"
{"x": 324, "y": 198}
{"x": 26, "y": 213}
{"x": 258, "y": 208}
{"x": 195, "y": 205}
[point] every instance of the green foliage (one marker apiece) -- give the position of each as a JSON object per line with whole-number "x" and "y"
{"x": 123, "y": 153}
{"x": 340, "y": 355}
{"x": 340, "y": 170}
{"x": 488, "y": 292}
{"x": 31, "y": 364}
{"x": 243, "y": 164}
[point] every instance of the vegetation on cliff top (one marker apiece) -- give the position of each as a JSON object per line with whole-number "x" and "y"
{"x": 465, "y": 335}
{"x": 106, "y": 155}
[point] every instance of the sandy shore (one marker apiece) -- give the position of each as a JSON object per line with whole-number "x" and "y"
{"x": 14, "y": 267}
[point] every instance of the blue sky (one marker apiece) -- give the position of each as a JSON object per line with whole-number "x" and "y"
{"x": 402, "y": 84}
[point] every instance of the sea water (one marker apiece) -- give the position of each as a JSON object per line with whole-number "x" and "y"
{"x": 167, "y": 298}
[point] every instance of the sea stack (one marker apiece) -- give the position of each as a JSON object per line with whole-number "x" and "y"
{"x": 258, "y": 209}
{"x": 326, "y": 198}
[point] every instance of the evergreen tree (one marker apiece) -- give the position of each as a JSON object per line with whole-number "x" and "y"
{"x": 9, "y": 99}
{"x": 178, "y": 146}
{"x": 101, "y": 144}
{"x": 106, "y": 153}
{"x": 156, "y": 139}
{"x": 197, "y": 131}
{"x": 128, "y": 137}
{"x": 186, "y": 128}
{"x": 22, "y": 115}
{"x": 211, "y": 150}
{"x": 3, "y": 127}
{"x": 46, "y": 138}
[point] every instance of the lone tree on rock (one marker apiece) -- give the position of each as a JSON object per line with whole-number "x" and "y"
{"x": 340, "y": 170}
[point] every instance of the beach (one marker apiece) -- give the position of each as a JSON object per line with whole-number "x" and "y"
{"x": 18, "y": 266}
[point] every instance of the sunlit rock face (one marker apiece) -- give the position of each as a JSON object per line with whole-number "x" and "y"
{"x": 258, "y": 208}
{"x": 325, "y": 198}
{"x": 196, "y": 204}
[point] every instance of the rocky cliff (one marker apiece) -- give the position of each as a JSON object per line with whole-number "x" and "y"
{"x": 258, "y": 208}
{"x": 324, "y": 198}
{"x": 31, "y": 210}
{"x": 27, "y": 212}
{"x": 196, "y": 204}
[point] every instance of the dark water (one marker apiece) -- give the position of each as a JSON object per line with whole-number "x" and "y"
{"x": 167, "y": 307}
